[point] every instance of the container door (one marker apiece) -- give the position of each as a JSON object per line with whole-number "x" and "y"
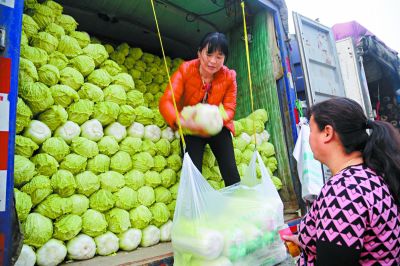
{"x": 322, "y": 76}
{"x": 355, "y": 85}
{"x": 10, "y": 38}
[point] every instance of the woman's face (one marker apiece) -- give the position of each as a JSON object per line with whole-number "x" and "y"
{"x": 211, "y": 63}
{"x": 315, "y": 139}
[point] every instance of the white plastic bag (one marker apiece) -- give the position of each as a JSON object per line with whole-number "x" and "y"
{"x": 309, "y": 169}
{"x": 237, "y": 225}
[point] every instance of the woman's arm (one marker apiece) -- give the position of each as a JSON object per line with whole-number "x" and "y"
{"x": 166, "y": 105}
{"x": 229, "y": 100}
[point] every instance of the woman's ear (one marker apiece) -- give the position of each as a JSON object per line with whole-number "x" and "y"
{"x": 328, "y": 133}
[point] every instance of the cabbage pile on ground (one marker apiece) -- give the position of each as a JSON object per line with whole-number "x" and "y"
{"x": 96, "y": 167}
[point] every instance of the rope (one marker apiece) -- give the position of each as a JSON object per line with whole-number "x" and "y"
{"x": 169, "y": 78}
{"x": 248, "y": 68}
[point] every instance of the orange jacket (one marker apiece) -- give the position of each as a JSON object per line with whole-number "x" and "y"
{"x": 188, "y": 90}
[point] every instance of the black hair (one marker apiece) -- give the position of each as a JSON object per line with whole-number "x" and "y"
{"x": 216, "y": 41}
{"x": 380, "y": 149}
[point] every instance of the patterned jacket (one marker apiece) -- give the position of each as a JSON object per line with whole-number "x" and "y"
{"x": 354, "y": 221}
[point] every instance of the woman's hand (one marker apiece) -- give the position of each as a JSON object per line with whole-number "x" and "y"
{"x": 193, "y": 127}
{"x": 292, "y": 238}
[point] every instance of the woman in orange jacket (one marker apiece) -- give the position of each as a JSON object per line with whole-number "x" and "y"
{"x": 206, "y": 80}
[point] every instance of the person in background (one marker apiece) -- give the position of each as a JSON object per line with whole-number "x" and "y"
{"x": 355, "y": 219}
{"x": 206, "y": 80}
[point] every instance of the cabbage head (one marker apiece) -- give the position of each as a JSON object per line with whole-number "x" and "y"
{"x": 37, "y": 96}
{"x": 24, "y": 115}
{"x": 100, "y": 77}
{"x": 58, "y": 59}
{"x": 68, "y": 131}
{"x": 45, "y": 41}
{"x": 37, "y": 56}
{"x": 29, "y": 26}
{"x": 37, "y": 131}
{"x": 125, "y": 80}
{"x": 140, "y": 217}
{"x": 121, "y": 162}
{"x": 80, "y": 111}
{"x": 27, "y": 71}
{"x": 82, "y": 37}
{"x": 56, "y": 147}
{"x": 38, "y": 188}
{"x": 146, "y": 196}
{"x": 277, "y": 182}
{"x": 84, "y": 147}
{"x": 63, "y": 95}
{"x": 74, "y": 163}
{"x": 136, "y": 130}
{"x": 99, "y": 164}
{"x": 67, "y": 227}
{"x": 144, "y": 115}
{"x": 115, "y": 93}
{"x": 131, "y": 145}
{"x": 45, "y": 164}
{"x": 168, "y": 177}
{"x": 160, "y": 213}
{"x": 37, "y": 230}
{"x": 69, "y": 46}
{"x": 106, "y": 112}
{"x": 125, "y": 198}
{"x": 24, "y": 170}
{"x": 93, "y": 223}
{"x": 67, "y": 22}
{"x": 96, "y": 51}
{"x": 23, "y": 204}
{"x": 142, "y": 161}
{"x": 118, "y": 220}
{"x": 91, "y": 92}
{"x": 54, "y": 206}
{"x": 80, "y": 204}
{"x": 174, "y": 162}
{"x": 159, "y": 163}
{"x": 163, "y": 195}
{"x": 102, "y": 200}
{"x": 49, "y": 74}
{"x": 54, "y": 117}
{"x": 126, "y": 115}
{"x": 134, "y": 98}
{"x": 152, "y": 179}
{"x": 111, "y": 67}
{"x": 108, "y": 145}
{"x": 55, "y": 30}
{"x": 25, "y": 146}
{"x": 149, "y": 147}
{"x": 63, "y": 183}
{"x": 92, "y": 130}
{"x": 87, "y": 183}
{"x": 83, "y": 63}
{"x": 134, "y": 179}
{"x": 71, "y": 77}
{"x": 111, "y": 181}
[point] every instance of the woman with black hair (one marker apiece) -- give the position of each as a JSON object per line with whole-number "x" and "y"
{"x": 355, "y": 219}
{"x": 206, "y": 80}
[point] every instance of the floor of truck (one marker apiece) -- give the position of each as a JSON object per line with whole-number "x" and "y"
{"x": 158, "y": 255}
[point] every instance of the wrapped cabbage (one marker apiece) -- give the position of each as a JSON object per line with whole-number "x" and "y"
{"x": 68, "y": 131}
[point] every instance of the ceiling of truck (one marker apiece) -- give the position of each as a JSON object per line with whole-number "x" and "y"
{"x": 182, "y": 22}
